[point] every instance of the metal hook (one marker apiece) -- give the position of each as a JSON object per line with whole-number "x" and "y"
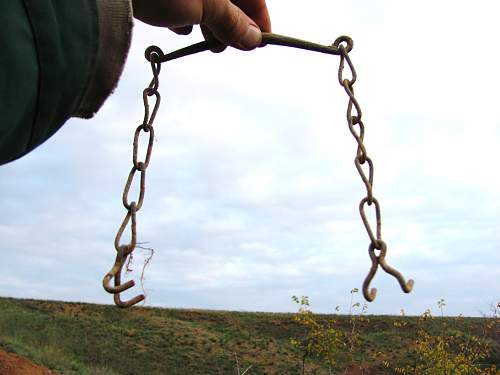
{"x": 122, "y": 253}
{"x": 131, "y": 283}
{"x": 267, "y": 38}
{"x": 116, "y": 270}
{"x": 406, "y": 286}
{"x": 370, "y": 294}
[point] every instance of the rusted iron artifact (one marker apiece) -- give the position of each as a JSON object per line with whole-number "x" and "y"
{"x": 341, "y": 47}
{"x": 123, "y": 252}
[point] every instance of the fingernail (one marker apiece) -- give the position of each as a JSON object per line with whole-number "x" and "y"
{"x": 252, "y": 38}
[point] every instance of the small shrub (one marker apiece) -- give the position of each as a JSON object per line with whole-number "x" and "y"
{"x": 448, "y": 352}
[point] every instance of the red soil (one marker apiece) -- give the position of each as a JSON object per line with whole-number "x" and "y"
{"x": 12, "y": 364}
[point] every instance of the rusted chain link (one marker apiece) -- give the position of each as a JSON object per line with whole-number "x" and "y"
{"x": 342, "y": 46}
{"x": 123, "y": 252}
{"x": 357, "y": 129}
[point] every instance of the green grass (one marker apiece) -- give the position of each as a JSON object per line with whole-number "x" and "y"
{"x": 78, "y": 338}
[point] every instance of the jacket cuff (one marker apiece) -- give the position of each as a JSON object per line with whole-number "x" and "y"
{"x": 115, "y": 34}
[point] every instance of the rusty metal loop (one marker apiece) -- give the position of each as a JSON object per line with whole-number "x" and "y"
{"x": 146, "y": 129}
{"x": 355, "y": 120}
{"x": 353, "y": 102}
{"x": 127, "y": 249}
{"x": 148, "y": 92}
{"x": 358, "y": 161}
{"x": 154, "y": 59}
{"x": 344, "y": 56}
{"x": 374, "y": 240}
{"x": 142, "y": 187}
{"x": 150, "y": 53}
{"x": 361, "y": 153}
{"x": 346, "y": 40}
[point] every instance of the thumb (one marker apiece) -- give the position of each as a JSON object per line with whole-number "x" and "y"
{"x": 230, "y": 25}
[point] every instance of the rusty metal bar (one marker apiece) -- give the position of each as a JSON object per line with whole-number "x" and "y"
{"x": 267, "y": 39}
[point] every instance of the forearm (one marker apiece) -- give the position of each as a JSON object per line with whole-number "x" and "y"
{"x": 60, "y": 59}
{"x": 115, "y": 33}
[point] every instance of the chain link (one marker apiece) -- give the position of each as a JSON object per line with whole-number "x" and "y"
{"x": 357, "y": 129}
{"x": 124, "y": 251}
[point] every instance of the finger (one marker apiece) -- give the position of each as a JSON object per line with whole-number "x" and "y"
{"x": 207, "y": 34}
{"x": 230, "y": 24}
{"x": 257, "y": 11}
{"x": 183, "y": 30}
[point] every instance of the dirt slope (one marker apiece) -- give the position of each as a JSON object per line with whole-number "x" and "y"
{"x": 12, "y": 364}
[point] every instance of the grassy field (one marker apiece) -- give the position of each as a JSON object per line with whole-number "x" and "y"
{"x": 78, "y": 338}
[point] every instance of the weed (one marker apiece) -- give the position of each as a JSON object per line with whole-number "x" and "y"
{"x": 324, "y": 339}
{"x": 449, "y": 351}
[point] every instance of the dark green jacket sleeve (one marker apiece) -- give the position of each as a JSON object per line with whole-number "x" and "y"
{"x": 53, "y": 65}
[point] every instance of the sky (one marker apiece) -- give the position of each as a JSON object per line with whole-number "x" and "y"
{"x": 252, "y": 194}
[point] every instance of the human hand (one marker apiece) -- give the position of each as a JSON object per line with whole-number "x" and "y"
{"x": 236, "y": 23}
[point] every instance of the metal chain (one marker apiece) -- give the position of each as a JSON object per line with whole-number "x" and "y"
{"x": 342, "y": 46}
{"x": 124, "y": 251}
{"x": 357, "y": 128}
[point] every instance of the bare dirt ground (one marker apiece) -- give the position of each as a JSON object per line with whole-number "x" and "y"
{"x": 356, "y": 370}
{"x": 12, "y": 364}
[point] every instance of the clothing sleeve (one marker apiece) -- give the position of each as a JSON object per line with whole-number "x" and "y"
{"x": 59, "y": 59}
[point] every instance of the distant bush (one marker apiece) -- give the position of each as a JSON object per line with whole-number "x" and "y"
{"x": 450, "y": 352}
{"x": 431, "y": 346}
{"x": 324, "y": 339}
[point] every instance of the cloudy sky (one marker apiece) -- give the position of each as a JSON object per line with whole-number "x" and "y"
{"x": 252, "y": 194}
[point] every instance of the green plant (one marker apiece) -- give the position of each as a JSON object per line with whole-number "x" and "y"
{"x": 323, "y": 339}
{"x": 447, "y": 351}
